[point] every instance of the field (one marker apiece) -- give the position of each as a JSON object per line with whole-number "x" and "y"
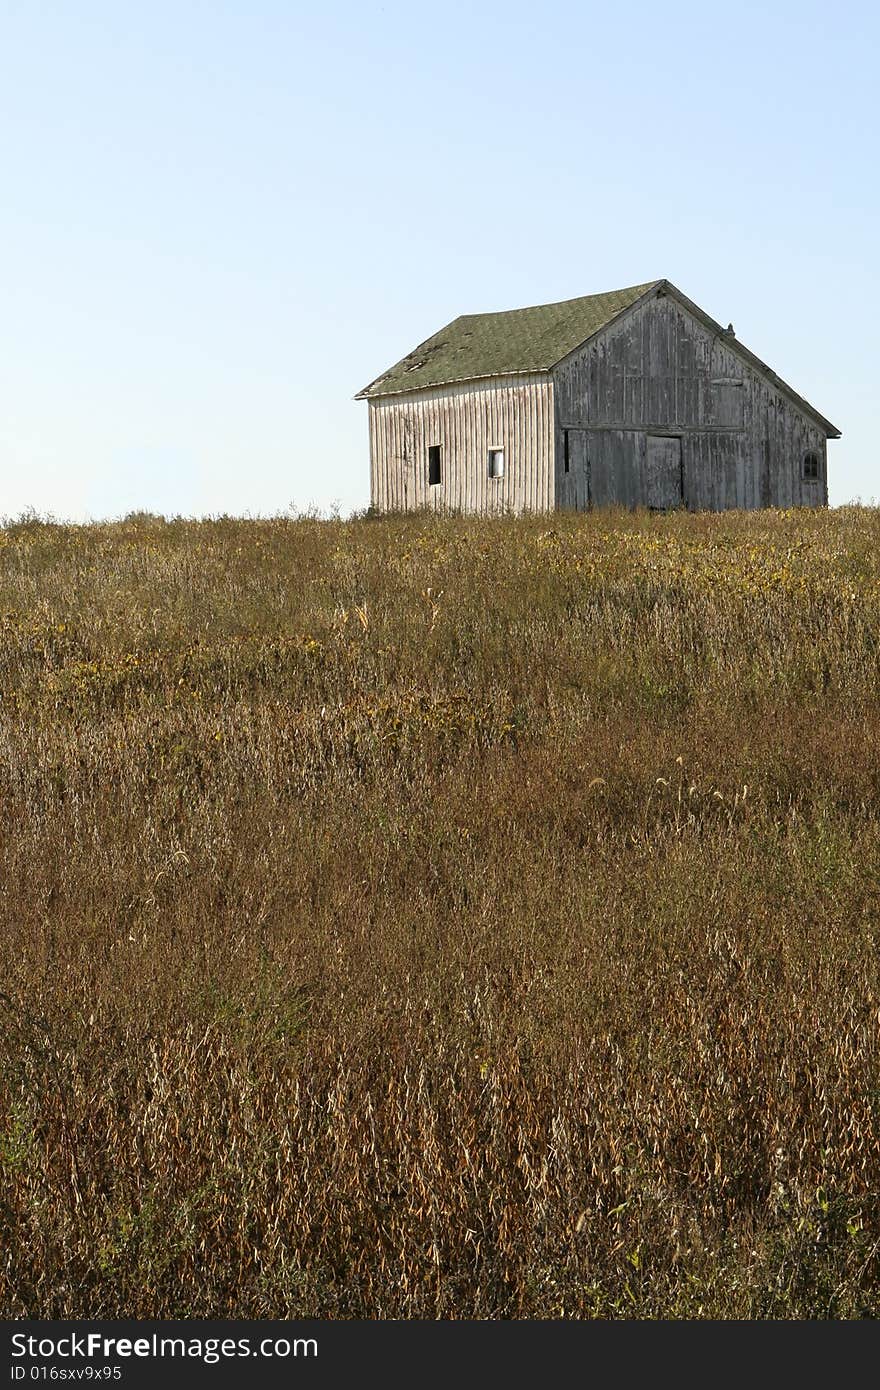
{"x": 441, "y": 918}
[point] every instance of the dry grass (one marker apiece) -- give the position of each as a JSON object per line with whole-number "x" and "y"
{"x": 441, "y": 918}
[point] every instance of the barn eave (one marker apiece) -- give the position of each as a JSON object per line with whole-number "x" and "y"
{"x": 370, "y": 393}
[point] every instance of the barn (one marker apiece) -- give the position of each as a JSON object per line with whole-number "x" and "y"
{"x": 635, "y": 397}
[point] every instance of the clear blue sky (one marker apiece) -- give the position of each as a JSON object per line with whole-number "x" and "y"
{"x": 220, "y": 220}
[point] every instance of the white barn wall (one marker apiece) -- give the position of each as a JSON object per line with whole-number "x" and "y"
{"x": 515, "y": 413}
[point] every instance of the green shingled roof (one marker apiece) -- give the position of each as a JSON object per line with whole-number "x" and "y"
{"x": 520, "y": 340}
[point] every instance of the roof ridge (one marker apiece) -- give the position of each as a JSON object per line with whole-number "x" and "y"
{"x": 561, "y": 303}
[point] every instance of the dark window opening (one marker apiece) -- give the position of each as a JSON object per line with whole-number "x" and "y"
{"x": 566, "y": 455}
{"x": 496, "y": 463}
{"x": 433, "y": 465}
{"x": 810, "y": 472}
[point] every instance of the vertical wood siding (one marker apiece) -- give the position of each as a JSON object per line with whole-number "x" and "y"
{"x": 660, "y": 370}
{"x": 515, "y": 414}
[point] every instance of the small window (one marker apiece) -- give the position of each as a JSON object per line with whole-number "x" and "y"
{"x": 565, "y": 452}
{"x": 810, "y": 472}
{"x": 496, "y": 463}
{"x": 433, "y": 465}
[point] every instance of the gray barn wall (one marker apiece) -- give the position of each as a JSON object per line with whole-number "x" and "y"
{"x": 660, "y": 370}
{"x": 513, "y": 412}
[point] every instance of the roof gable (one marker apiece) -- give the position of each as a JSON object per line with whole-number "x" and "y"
{"x": 518, "y": 340}
{"x": 754, "y": 362}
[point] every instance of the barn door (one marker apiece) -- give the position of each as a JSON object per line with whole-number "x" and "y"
{"x": 663, "y": 472}
{"x": 577, "y": 459}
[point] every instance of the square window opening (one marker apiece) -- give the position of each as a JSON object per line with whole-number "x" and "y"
{"x": 496, "y": 463}
{"x": 810, "y": 469}
{"x": 433, "y": 465}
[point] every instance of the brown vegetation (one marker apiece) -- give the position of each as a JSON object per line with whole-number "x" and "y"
{"x": 413, "y": 918}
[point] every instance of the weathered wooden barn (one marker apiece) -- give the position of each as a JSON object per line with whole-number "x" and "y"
{"x": 634, "y": 397}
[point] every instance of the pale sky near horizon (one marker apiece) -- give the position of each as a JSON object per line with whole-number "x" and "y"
{"x": 219, "y": 221}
